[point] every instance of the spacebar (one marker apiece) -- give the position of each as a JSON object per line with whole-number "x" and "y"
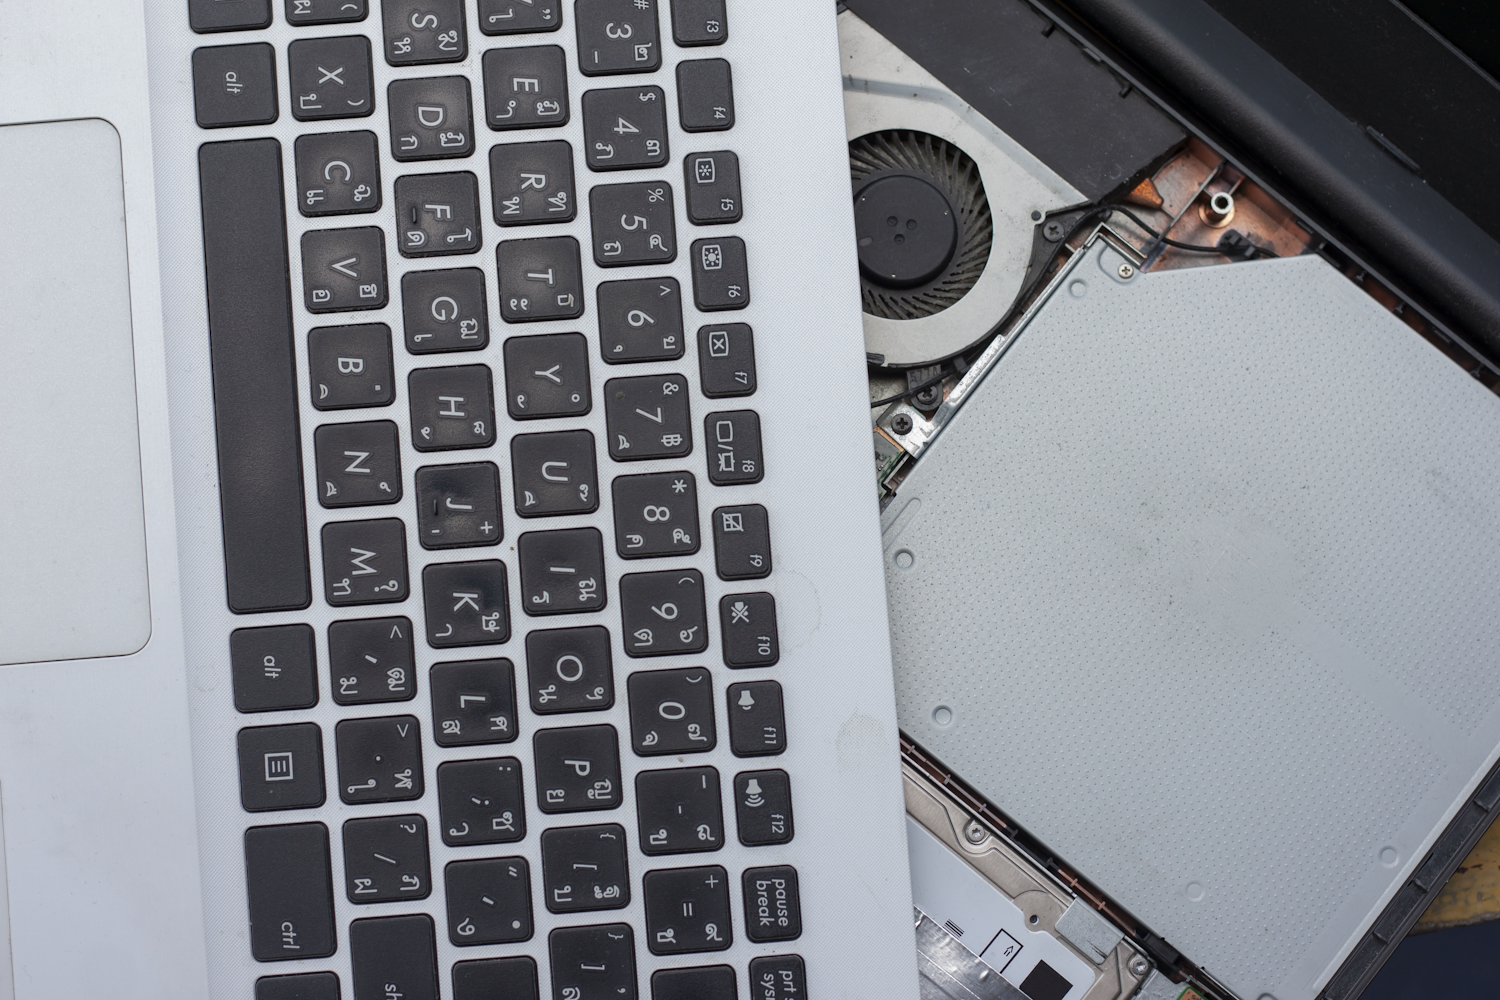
{"x": 254, "y": 376}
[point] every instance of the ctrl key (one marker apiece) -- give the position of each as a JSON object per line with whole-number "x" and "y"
{"x": 290, "y": 886}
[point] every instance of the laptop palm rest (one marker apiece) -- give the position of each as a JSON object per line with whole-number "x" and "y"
{"x": 73, "y": 540}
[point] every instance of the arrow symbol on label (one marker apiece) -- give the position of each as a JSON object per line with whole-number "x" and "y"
{"x": 344, "y": 267}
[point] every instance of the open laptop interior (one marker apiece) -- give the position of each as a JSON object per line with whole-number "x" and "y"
{"x": 1189, "y": 541}
{"x": 439, "y": 560}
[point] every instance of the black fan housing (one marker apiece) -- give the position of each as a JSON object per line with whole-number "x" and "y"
{"x": 922, "y": 221}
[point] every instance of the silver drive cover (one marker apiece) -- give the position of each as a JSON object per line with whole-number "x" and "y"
{"x": 1201, "y": 588}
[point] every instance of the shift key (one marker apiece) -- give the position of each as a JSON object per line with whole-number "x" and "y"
{"x": 290, "y": 887}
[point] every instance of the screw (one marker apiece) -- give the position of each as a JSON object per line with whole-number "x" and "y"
{"x": 1139, "y": 966}
{"x": 974, "y": 831}
{"x": 1053, "y": 231}
{"x": 1126, "y": 271}
{"x": 901, "y": 423}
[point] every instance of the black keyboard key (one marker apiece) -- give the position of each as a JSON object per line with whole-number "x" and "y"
{"x": 633, "y": 224}
{"x": 302, "y": 986}
{"x": 554, "y": 473}
{"x": 577, "y": 769}
{"x": 540, "y": 279}
{"x": 487, "y": 978}
{"x": 679, "y": 810}
{"x": 773, "y": 911}
{"x": 562, "y": 572}
{"x": 358, "y": 463}
{"x": 593, "y": 963}
{"x": 343, "y": 269}
{"x": 585, "y": 868}
{"x": 215, "y": 15}
{"x": 424, "y": 31}
{"x": 625, "y": 128}
{"x": 721, "y": 277}
{"x": 687, "y": 910}
{"x": 757, "y": 720}
{"x": 385, "y": 858}
{"x": 742, "y": 542}
{"x": 640, "y": 320}
{"x": 473, "y": 702}
{"x": 569, "y": 670}
{"x": 526, "y": 87}
{"x": 394, "y": 956}
{"x": 778, "y": 977}
{"x": 234, "y": 85}
{"x": 705, "y": 95}
{"x": 380, "y": 760}
{"x": 273, "y": 669}
{"x": 489, "y": 901}
{"x": 351, "y": 366}
{"x": 547, "y": 376}
{"x": 338, "y": 173}
{"x": 747, "y": 624}
{"x": 662, "y": 613}
{"x": 713, "y": 187}
{"x": 532, "y": 182}
{"x": 372, "y": 660}
{"x": 481, "y": 802}
{"x": 708, "y": 982}
{"x": 281, "y": 767}
{"x": 763, "y": 807}
{"x": 734, "y": 439}
{"x": 254, "y": 376}
{"x": 459, "y": 505}
{"x": 726, "y": 360}
{"x": 330, "y": 78}
{"x": 656, "y": 515}
{"x": 290, "y": 883}
{"x": 466, "y": 604}
{"x": 431, "y": 118}
{"x": 444, "y": 310}
{"x": 300, "y": 12}
{"x": 364, "y": 562}
{"x": 699, "y": 22}
{"x": 617, "y": 36}
{"x": 518, "y": 17}
{"x": 648, "y": 417}
{"x": 671, "y": 711}
{"x": 451, "y": 408}
{"x": 437, "y": 214}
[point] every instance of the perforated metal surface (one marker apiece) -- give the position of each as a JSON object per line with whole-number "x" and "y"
{"x": 1206, "y": 575}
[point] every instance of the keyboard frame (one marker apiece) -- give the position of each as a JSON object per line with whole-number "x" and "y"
{"x": 849, "y": 848}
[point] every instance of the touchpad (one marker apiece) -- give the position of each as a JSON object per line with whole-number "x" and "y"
{"x": 72, "y": 528}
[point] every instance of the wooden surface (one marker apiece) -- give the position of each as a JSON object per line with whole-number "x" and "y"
{"x": 1473, "y": 894}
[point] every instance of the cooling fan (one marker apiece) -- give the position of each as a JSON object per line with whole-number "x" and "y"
{"x": 944, "y": 206}
{"x": 922, "y": 222}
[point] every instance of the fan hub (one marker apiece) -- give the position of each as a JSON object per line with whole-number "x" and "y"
{"x": 906, "y": 230}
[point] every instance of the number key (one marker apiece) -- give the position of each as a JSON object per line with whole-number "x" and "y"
{"x": 662, "y": 613}
{"x": 648, "y": 417}
{"x": 640, "y": 320}
{"x": 625, "y": 128}
{"x": 671, "y": 711}
{"x": 633, "y": 224}
{"x": 617, "y": 36}
{"x": 516, "y": 17}
{"x": 656, "y": 515}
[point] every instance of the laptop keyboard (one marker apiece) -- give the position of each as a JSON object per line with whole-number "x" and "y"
{"x": 483, "y": 519}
